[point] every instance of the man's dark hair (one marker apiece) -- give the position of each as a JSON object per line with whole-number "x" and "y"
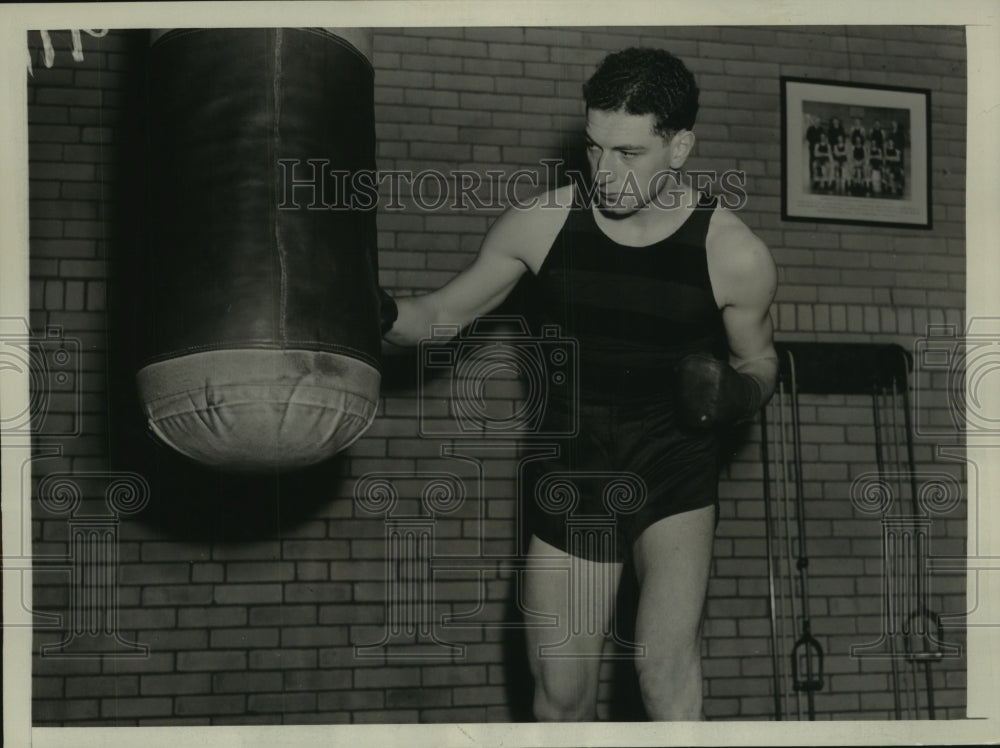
{"x": 645, "y": 81}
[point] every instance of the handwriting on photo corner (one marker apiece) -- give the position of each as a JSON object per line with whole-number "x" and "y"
{"x": 76, "y": 51}
{"x": 312, "y": 184}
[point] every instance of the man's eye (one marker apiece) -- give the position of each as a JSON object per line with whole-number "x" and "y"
{"x": 629, "y": 154}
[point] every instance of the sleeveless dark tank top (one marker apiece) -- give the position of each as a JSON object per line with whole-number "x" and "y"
{"x": 633, "y": 312}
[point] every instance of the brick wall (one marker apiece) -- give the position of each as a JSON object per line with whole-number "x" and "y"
{"x": 252, "y": 605}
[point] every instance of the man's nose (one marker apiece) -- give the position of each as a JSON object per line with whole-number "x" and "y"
{"x": 602, "y": 174}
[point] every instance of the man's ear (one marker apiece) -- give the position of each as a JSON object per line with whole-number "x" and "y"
{"x": 681, "y": 145}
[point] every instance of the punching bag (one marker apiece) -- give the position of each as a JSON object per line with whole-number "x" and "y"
{"x": 260, "y": 307}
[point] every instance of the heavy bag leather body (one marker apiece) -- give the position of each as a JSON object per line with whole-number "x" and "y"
{"x": 261, "y": 312}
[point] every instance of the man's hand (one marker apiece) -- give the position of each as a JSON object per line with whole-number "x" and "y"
{"x": 709, "y": 393}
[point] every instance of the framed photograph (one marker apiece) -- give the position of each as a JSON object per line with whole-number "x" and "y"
{"x": 855, "y": 153}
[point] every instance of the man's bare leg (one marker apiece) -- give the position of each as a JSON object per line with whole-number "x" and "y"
{"x": 673, "y": 559}
{"x": 583, "y": 599}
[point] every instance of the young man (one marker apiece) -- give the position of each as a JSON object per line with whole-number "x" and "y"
{"x": 893, "y": 161}
{"x": 659, "y": 287}
{"x": 823, "y": 154}
{"x": 841, "y": 173}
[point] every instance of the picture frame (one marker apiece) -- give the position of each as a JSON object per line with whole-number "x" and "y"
{"x": 841, "y": 162}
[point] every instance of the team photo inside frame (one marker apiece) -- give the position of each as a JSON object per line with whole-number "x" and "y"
{"x": 855, "y": 153}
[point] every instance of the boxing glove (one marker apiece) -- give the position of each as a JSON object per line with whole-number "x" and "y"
{"x": 709, "y": 393}
{"x": 388, "y": 311}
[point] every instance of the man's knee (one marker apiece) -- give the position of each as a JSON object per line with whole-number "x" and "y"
{"x": 667, "y": 671}
{"x": 564, "y": 700}
{"x": 671, "y": 683}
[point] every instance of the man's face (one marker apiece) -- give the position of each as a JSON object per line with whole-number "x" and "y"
{"x": 631, "y": 164}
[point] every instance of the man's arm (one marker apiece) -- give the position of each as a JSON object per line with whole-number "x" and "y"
{"x": 711, "y": 393}
{"x": 749, "y": 284}
{"x": 515, "y": 240}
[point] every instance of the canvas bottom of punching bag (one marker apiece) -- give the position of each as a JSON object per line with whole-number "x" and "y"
{"x": 259, "y": 409}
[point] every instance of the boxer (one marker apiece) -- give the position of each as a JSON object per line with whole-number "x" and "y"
{"x": 668, "y": 297}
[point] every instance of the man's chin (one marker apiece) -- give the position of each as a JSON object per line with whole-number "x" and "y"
{"x": 617, "y": 209}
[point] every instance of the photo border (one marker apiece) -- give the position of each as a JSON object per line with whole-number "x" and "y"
{"x": 983, "y": 228}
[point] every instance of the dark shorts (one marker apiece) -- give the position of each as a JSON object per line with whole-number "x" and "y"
{"x": 629, "y": 466}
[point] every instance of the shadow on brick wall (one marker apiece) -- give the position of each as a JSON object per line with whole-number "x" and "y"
{"x": 625, "y": 703}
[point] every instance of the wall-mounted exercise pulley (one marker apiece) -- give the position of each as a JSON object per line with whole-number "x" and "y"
{"x": 912, "y": 632}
